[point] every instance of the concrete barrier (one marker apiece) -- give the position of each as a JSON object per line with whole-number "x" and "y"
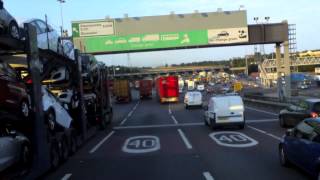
{"x": 273, "y": 106}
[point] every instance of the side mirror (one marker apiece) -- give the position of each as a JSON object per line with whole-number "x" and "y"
{"x": 13, "y": 133}
{"x": 289, "y": 132}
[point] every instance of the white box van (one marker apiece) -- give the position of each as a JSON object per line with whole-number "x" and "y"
{"x": 192, "y": 98}
{"x": 225, "y": 111}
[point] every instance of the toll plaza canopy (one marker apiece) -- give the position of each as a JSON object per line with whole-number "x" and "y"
{"x": 174, "y": 31}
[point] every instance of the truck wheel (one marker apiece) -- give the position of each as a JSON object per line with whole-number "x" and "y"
{"x": 25, "y": 155}
{"x": 64, "y": 150}
{"x": 282, "y": 122}
{"x": 24, "y": 109}
{"x": 73, "y": 144}
{"x": 212, "y": 124}
{"x": 14, "y": 30}
{"x": 51, "y": 118}
{"x": 54, "y": 156}
{"x": 205, "y": 121}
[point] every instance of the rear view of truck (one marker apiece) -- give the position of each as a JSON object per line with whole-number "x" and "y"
{"x": 145, "y": 89}
{"x": 122, "y": 91}
{"x": 167, "y": 89}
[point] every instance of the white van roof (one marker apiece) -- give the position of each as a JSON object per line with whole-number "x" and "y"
{"x": 223, "y": 98}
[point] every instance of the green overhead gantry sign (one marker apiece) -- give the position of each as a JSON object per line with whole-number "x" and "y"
{"x": 160, "y": 32}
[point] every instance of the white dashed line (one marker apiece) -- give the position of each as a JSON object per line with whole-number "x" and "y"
{"x": 259, "y": 110}
{"x": 158, "y": 126}
{"x": 185, "y": 140}
{"x": 262, "y": 120}
{"x": 130, "y": 113}
{"x": 123, "y": 121}
{"x": 208, "y": 176}
{"x": 266, "y": 133}
{"x": 101, "y": 142}
{"x": 169, "y": 109}
{"x": 174, "y": 119}
{"x": 66, "y": 177}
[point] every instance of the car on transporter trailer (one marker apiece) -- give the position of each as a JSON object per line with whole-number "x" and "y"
{"x": 8, "y": 24}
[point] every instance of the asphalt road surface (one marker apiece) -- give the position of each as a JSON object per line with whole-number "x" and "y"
{"x": 152, "y": 141}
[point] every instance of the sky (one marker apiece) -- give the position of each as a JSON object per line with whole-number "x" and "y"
{"x": 304, "y": 13}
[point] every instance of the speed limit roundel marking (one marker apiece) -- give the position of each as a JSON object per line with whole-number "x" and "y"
{"x": 141, "y": 144}
{"x": 233, "y": 139}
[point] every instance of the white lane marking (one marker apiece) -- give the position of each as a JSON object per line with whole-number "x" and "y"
{"x": 123, "y": 121}
{"x": 96, "y": 147}
{"x": 262, "y": 120}
{"x": 130, "y": 113}
{"x": 174, "y": 119}
{"x": 66, "y": 176}
{"x": 185, "y": 140}
{"x": 266, "y": 133}
{"x": 233, "y": 139}
{"x": 141, "y": 144}
{"x": 259, "y": 110}
{"x": 169, "y": 109}
{"x": 208, "y": 176}
{"x": 158, "y": 126}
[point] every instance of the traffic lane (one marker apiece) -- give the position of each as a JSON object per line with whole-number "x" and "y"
{"x": 112, "y": 161}
{"x": 183, "y": 115}
{"x": 196, "y": 114}
{"x": 256, "y": 162}
{"x": 121, "y": 110}
{"x": 254, "y": 113}
{"x": 270, "y": 127}
{"x": 149, "y": 112}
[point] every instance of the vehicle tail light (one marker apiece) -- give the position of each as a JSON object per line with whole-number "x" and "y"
{"x": 314, "y": 115}
{"x": 29, "y": 81}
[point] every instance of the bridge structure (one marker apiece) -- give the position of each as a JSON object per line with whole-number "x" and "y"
{"x": 298, "y": 61}
{"x": 179, "y": 71}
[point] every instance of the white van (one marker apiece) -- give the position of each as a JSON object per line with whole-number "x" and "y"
{"x": 225, "y": 111}
{"x": 192, "y": 98}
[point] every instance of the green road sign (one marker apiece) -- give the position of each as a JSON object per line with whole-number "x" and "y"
{"x": 146, "y": 41}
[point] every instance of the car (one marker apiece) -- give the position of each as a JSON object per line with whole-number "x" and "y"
{"x": 8, "y": 24}
{"x": 224, "y": 110}
{"x": 59, "y": 75}
{"x": 67, "y": 48}
{"x": 13, "y": 92}
{"x": 15, "y": 148}
{"x": 47, "y": 37}
{"x": 200, "y": 87}
{"x": 192, "y": 98}
{"x": 300, "y": 146}
{"x": 56, "y": 115}
{"x": 67, "y": 97}
{"x": 297, "y": 111}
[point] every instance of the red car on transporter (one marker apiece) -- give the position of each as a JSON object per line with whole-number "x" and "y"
{"x": 13, "y": 92}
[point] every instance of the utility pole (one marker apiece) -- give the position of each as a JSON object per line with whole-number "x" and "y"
{"x": 61, "y": 14}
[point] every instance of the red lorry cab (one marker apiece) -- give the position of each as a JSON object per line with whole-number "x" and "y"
{"x": 167, "y": 89}
{"x": 145, "y": 89}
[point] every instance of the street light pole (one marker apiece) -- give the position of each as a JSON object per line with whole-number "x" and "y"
{"x": 61, "y": 13}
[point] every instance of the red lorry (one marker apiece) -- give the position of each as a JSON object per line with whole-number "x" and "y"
{"x": 167, "y": 89}
{"x": 145, "y": 89}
